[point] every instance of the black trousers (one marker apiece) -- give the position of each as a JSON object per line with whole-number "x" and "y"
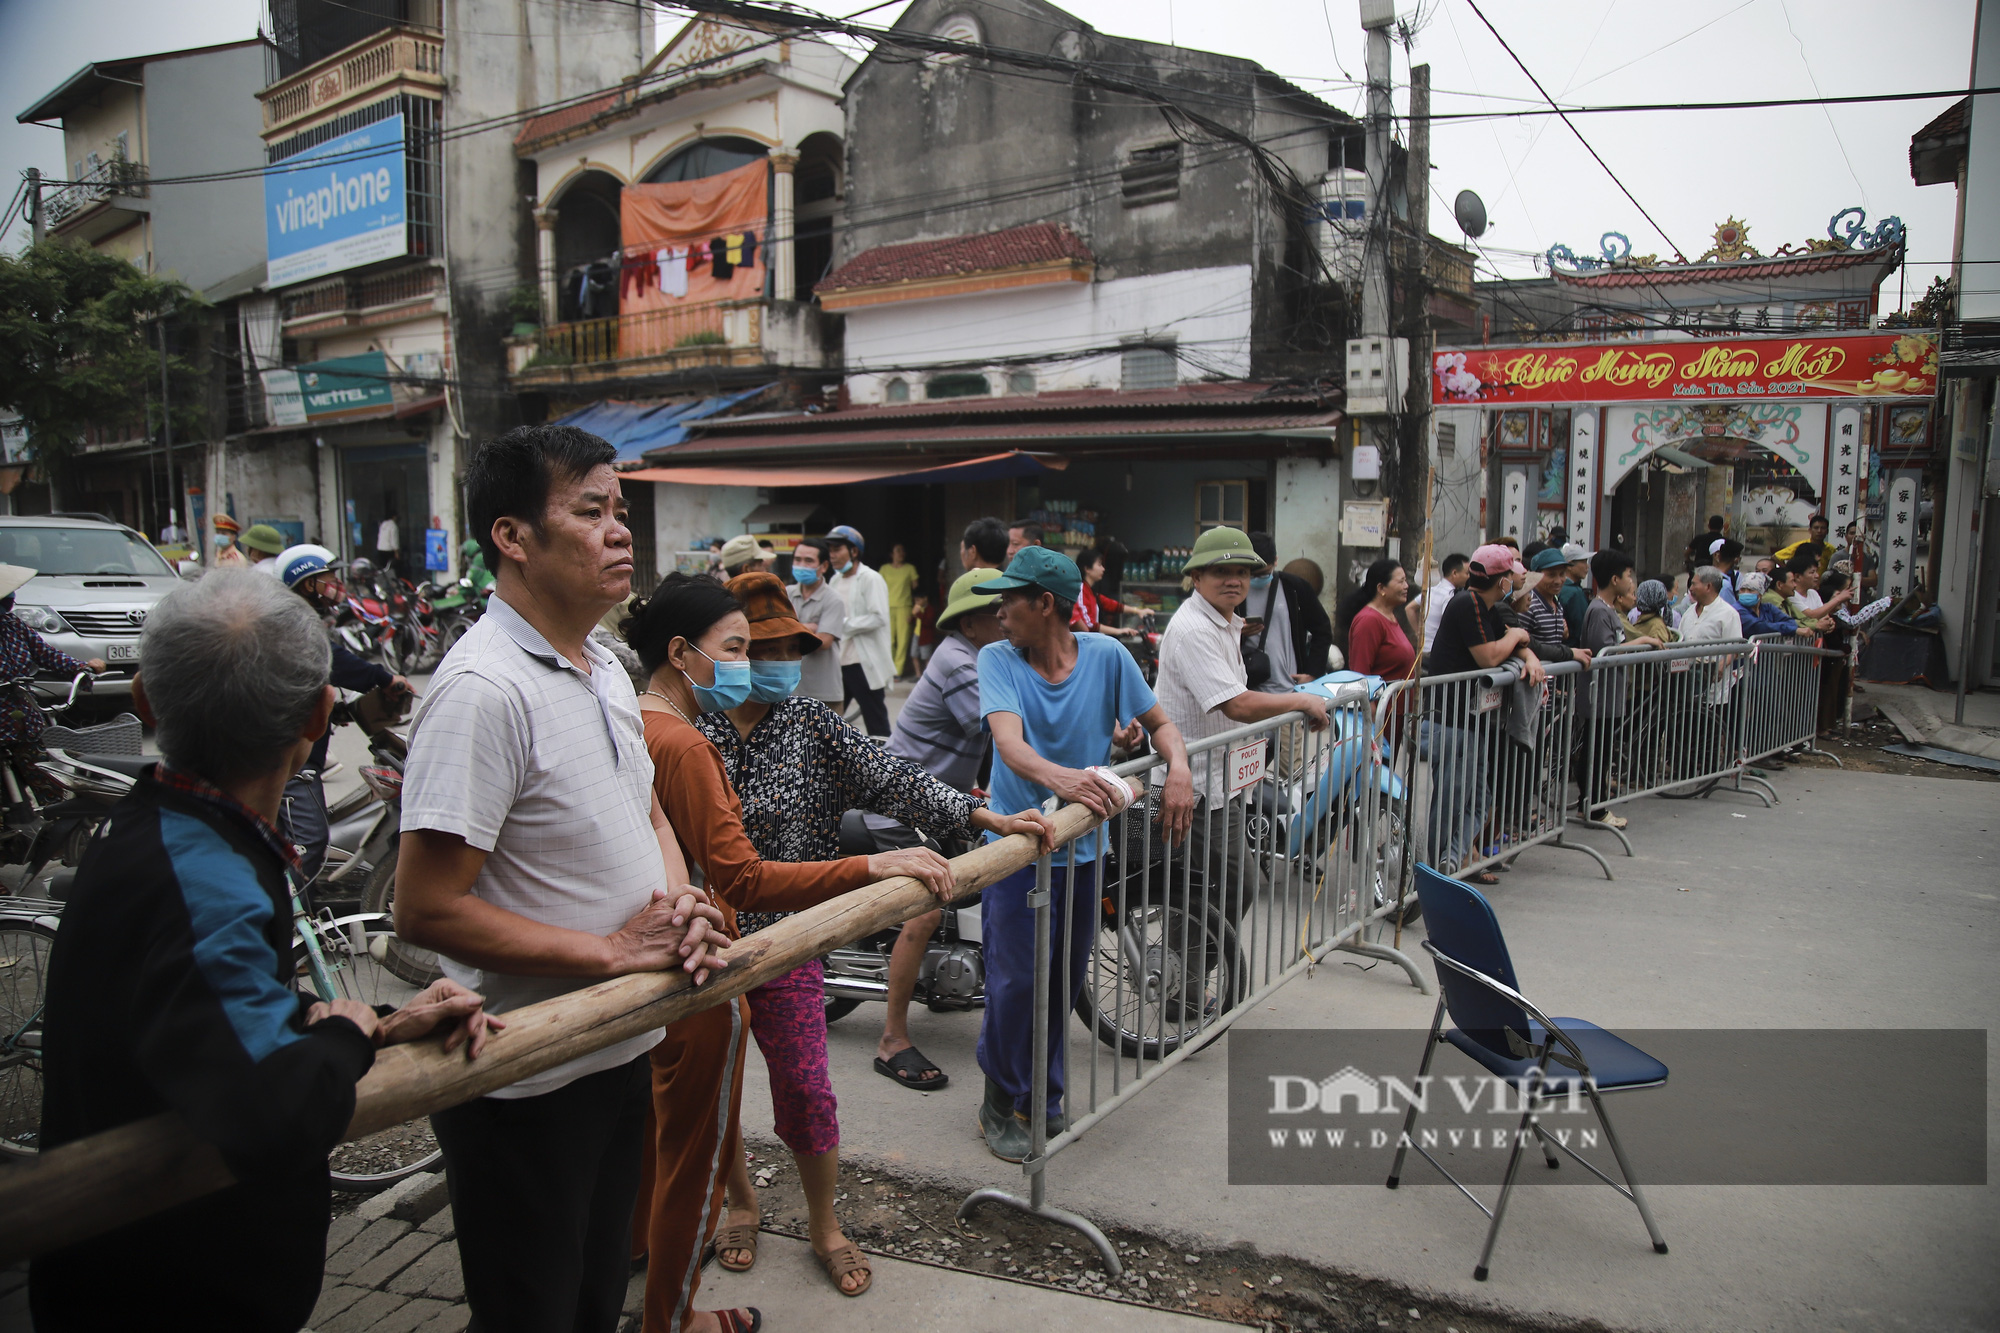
{"x": 874, "y": 708}
{"x": 542, "y": 1190}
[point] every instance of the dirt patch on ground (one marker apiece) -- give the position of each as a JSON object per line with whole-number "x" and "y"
{"x": 917, "y": 1221}
{"x": 1860, "y": 751}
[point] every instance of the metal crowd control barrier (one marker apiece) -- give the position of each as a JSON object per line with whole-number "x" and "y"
{"x": 1681, "y": 721}
{"x": 1495, "y": 765}
{"x": 1298, "y": 849}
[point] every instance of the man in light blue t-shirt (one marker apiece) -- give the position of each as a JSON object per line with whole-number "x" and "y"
{"x": 1054, "y": 701}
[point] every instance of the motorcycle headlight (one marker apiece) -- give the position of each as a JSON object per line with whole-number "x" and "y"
{"x": 41, "y": 619}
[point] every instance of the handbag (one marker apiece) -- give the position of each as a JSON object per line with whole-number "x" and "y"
{"x": 1257, "y": 662}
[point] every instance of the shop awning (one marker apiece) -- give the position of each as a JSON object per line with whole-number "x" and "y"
{"x": 634, "y": 427}
{"x": 993, "y": 467}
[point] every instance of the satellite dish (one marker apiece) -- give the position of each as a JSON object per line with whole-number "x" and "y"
{"x": 1470, "y": 210}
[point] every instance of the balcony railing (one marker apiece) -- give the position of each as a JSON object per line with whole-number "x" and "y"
{"x": 355, "y": 297}
{"x": 115, "y": 178}
{"x": 365, "y": 72}
{"x": 649, "y": 333}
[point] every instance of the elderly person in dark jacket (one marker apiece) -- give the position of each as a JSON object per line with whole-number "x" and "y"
{"x": 171, "y": 982}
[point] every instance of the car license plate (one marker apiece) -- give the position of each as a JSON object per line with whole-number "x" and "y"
{"x": 121, "y": 652}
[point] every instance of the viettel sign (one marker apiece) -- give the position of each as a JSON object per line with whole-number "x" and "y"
{"x": 1865, "y": 365}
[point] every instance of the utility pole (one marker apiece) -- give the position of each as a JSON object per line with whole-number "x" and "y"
{"x": 1413, "y": 472}
{"x": 35, "y": 204}
{"x": 1377, "y": 17}
{"x": 167, "y": 426}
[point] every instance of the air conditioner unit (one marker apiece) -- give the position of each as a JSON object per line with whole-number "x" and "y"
{"x": 1378, "y": 375}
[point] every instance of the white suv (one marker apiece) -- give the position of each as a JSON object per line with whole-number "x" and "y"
{"x": 94, "y": 582}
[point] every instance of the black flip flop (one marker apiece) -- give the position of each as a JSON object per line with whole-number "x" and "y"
{"x": 908, "y": 1067}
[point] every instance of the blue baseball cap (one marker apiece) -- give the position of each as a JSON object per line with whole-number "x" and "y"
{"x": 1037, "y": 567}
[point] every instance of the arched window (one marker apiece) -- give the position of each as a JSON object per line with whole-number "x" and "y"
{"x": 706, "y": 157}
{"x": 1021, "y": 381}
{"x": 896, "y": 391}
{"x": 956, "y": 28}
{"x": 587, "y": 232}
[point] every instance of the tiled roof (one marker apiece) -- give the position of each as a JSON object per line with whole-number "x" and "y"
{"x": 568, "y": 118}
{"x": 881, "y": 437}
{"x": 1203, "y": 398}
{"x": 955, "y": 256}
{"x": 1734, "y": 271}
{"x": 1953, "y": 120}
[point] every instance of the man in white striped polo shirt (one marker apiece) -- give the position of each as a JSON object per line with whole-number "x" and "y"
{"x": 535, "y": 859}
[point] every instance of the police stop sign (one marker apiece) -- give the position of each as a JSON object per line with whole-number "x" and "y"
{"x": 1246, "y": 765}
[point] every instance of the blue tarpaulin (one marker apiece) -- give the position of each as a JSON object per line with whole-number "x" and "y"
{"x": 634, "y": 427}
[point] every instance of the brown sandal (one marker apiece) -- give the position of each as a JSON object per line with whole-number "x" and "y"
{"x": 847, "y": 1259}
{"x": 738, "y": 1237}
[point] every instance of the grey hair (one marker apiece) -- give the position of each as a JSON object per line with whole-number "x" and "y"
{"x": 233, "y": 667}
{"x": 1710, "y": 575}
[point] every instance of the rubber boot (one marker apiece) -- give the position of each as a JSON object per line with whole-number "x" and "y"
{"x": 1007, "y": 1134}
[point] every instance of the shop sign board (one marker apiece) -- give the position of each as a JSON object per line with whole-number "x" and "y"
{"x": 345, "y": 386}
{"x": 284, "y": 400}
{"x": 1876, "y": 365}
{"x": 336, "y": 206}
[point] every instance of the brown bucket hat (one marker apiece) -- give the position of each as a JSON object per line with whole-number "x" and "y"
{"x": 769, "y": 610}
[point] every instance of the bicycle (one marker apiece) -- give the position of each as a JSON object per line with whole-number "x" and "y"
{"x": 358, "y": 957}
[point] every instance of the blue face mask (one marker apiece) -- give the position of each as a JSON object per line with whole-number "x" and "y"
{"x": 1747, "y": 598}
{"x": 807, "y": 575}
{"x": 1261, "y": 582}
{"x": 731, "y": 688}
{"x": 772, "y": 682}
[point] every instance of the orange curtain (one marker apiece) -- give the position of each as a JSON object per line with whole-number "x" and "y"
{"x": 679, "y": 215}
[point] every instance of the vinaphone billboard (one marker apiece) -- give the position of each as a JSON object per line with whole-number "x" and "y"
{"x": 337, "y": 205}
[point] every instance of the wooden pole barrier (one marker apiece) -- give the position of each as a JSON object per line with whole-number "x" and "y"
{"x": 111, "y": 1179}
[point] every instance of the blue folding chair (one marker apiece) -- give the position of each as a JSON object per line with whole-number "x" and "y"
{"x": 1512, "y": 1039}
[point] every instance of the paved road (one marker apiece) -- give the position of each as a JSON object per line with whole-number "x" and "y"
{"x": 1728, "y": 918}
{"x": 1864, "y": 900}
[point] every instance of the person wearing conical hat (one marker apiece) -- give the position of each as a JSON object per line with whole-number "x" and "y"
{"x": 24, "y": 653}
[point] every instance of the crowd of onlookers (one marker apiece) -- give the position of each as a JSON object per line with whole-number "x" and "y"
{"x": 562, "y": 825}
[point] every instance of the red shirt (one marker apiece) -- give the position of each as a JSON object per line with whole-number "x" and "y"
{"x": 1378, "y": 646}
{"x": 1088, "y": 613}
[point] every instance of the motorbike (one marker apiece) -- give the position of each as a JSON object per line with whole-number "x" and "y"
{"x": 1331, "y": 808}
{"x": 54, "y": 801}
{"x": 1162, "y": 965}
{"x": 367, "y": 628}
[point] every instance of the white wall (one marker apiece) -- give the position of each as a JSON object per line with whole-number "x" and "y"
{"x": 276, "y": 481}
{"x": 1305, "y": 518}
{"x": 1206, "y": 311}
{"x": 683, "y": 513}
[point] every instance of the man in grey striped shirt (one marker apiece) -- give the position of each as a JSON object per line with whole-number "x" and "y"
{"x": 940, "y": 729}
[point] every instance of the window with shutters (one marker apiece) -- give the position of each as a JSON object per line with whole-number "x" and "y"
{"x": 1151, "y": 174}
{"x": 1447, "y": 440}
{"x": 957, "y": 386}
{"x": 1147, "y": 368}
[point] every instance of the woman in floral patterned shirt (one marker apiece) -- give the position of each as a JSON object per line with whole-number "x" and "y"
{"x": 797, "y": 768}
{"x": 24, "y": 653}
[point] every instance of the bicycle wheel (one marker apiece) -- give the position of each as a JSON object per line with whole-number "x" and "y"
{"x": 1157, "y": 976}
{"x": 356, "y": 950}
{"x": 418, "y": 967}
{"x": 24, "y": 978}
